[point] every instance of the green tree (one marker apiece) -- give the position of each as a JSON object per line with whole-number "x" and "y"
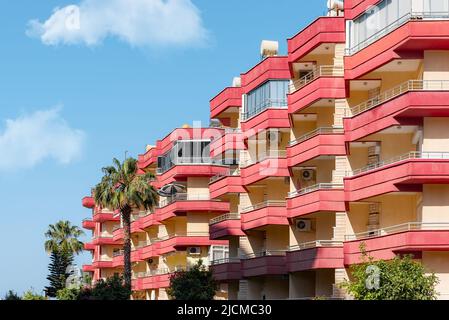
{"x": 123, "y": 189}
{"x": 32, "y": 295}
{"x": 12, "y": 296}
{"x": 62, "y": 244}
{"x": 399, "y": 279}
{"x": 68, "y": 294}
{"x": 197, "y": 283}
{"x": 112, "y": 288}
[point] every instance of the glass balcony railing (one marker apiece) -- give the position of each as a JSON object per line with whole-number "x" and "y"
{"x": 184, "y": 197}
{"x": 264, "y": 105}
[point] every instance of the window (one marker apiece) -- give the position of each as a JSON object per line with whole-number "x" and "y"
{"x": 219, "y": 253}
{"x": 272, "y": 94}
{"x": 185, "y": 152}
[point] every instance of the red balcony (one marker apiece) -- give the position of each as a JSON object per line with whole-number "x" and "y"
{"x": 267, "y": 263}
{"x": 270, "y": 118}
{"x": 320, "y": 142}
{"x": 354, "y": 8}
{"x": 320, "y": 254}
{"x": 148, "y": 159}
{"x": 148, "y": 221}
{"x": 405, "y": 104}
{"x": 225, "y": 226}
{"x": 324, "y": 197}
{"x": 88, "y": 224}
{"x": 103, "y": 265}
{"x": 407, "y": 38}
{"x": 232, "y": 139}
{"x": 266, "y": 167}
{"x": 89, "y": 246}
{"x": 105, "y": 240}
{"x": 182, "y": 171}
{"x": 227, "y": 270}
{"x": 268, "y": 69}
{"x": 151, "y": 280}
{"x": 404, "y": 173}
{"x": 322, "y": 30}
{"x": 184, "y": 203}
{"x": 222, "y": 185}
{"x": 88, "y": 268}
{"x": 413, "y": 237}
{"x": 264, "y": 214}
{"x": 88, "y": 202}
{"x": 228, "y": 98}
{"x": 105, "y": 215}
{"x": 118, "y": 258}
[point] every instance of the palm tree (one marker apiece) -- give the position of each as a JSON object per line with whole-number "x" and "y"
{"x": 62, "y": 245}
{"x": 123, "y": 189}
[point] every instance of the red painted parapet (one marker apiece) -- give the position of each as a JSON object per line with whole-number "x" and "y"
{"x": 229, "y": 98}
{"x": 268, "y": 69}
{"x": 319, "y": 257}
{"x": 88, "y": 202}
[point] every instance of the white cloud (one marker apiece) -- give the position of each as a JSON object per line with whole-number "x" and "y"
{"x": 143, "y": 23}
{"x": 32, "y": 138}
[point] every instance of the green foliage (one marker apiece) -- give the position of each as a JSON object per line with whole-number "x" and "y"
{"x": 12, "y": 296}
{"x": 68, "y": 294}
{"x": 57, "y": 272}
{"x": 196, "y": 284}
{"x": 111, "y": 289}
{"x": 398, "y": 279}
{"x": 32, "y": 295}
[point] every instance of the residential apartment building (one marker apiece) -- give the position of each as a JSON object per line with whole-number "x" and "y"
{"x": 343, "y": 141}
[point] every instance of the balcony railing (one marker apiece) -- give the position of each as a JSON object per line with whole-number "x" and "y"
{"x": 265, "y": 253}
{"x": 225, "y": 217}
{"x": 408, "y": 156}
{"x": 265, "y": 204}
{"x": 119, "y": 253}
{"x": 197, "y": 161}
{"x": 316, "y": 132}
{"x": 225, "y": 261}
{"x": 272, "y": 154}
{"x": 141, "y": 214}
{"x": 230, "y": 173}
{"x": 316, "y": 244}
{"x": 158, "y": 272}
{"x": 395, "y": 25}
{"x": 152, "y": 241}
{"x": 184, "y": 197}
{"x": 317, "y": 72}
{"x": 410, "y": 226}
{"x": 410, "y": 85}
{"x": 103, "y": 236}
{"x": 264, "y": 105}
{"x": 320, "y": 186}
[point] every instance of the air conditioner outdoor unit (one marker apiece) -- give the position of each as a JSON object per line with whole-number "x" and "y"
{"x": 307, "y": 174}
{"x": 303, "y": 225}
{"x": 194, "y": 251}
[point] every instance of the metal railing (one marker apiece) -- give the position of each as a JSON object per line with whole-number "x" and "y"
{"x": 395, "y": 25}
{"x": 225, "y": 217}
{"x": 119, "y": 253}
{"x": 404, "y": 227}
{"x": 316, "y": 244}
{"x": 265, "y": 253}
{"x": 265, "y": 204}
{"x": 264, "y": 105}
{"x": 316, "y": 132}
{"x": 184, "y": 197}
{"x": 408, "y": 156}
{"x": 317, "y": 72}
{"x": 410, "y": 85}
{"x": 158, "y": 272}
{"x": 141, "y": 214}
{"x": 152, "y": 241}
{"x": 115, "y": 228}
{"x": 225, "y": 261}
{"x": 316, "y": 187}
{"x": 271, "y": 154}
{"x": 103, "y": 236}
{"x": 197, "y": 161}
{"x": 229, "y": 173}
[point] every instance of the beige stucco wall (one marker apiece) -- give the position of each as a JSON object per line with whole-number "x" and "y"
{"x": 435, "y": 203}
{"x": 436, "y": 65}
{"x": 436, "y": 135}
{"x": 438, "y": 263}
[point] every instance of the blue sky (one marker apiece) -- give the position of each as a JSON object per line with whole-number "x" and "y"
{"x": 70, "y": 103}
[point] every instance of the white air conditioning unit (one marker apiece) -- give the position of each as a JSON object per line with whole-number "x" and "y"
{"x": 307, "y": 174}
{"x": 303, "y": 225}
{"x": 194, "y": 251}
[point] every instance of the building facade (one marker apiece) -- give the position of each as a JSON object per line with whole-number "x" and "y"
{"x": 343, "y": 141}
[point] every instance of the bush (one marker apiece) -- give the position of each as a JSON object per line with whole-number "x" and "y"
{"x": 111, "y": 289}
{"x": 32, "y": 295}
{"x": 68, "y": 294}
{"x": 195, "y": 284}
{"x": 12, "y": 296}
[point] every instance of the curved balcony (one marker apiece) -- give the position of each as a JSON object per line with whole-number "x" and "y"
{"x": 104, "y": 240}
{"x": 225, "y": 226}
{"x": 229, "y": 98}
{"x": 154, "y": 279}
{"x": 412, "y": 237}
{"x": 88, "y": 223}
{"x": 275, "y": 67}
{"x": 88, "y": 202}
{"x": 183, "y": 203}
{"x": 226, "y": 270}
{"x": 319, "y": 142}
{"x": 319, "y": 254}
{"x": 89, "y": 246}
{"x": 324, "y": 82}
{"x": 323, "y": 197}
{"x": 403, "y": 173}
{"x": 225, "y": 184}
{"x": 232, "y": 139}
{"x": 408, "y": 37}
{"x": 272, "y": 212}
{"x": 269, "y": 115}
{"x": 411, "y": 99}
{"x": 103, "y": 215}
{"x": 274, "y": 164}
{"x": 322, "y": 30}
{"x": 265, "y": 263}
{"x": 147, "y": 159}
